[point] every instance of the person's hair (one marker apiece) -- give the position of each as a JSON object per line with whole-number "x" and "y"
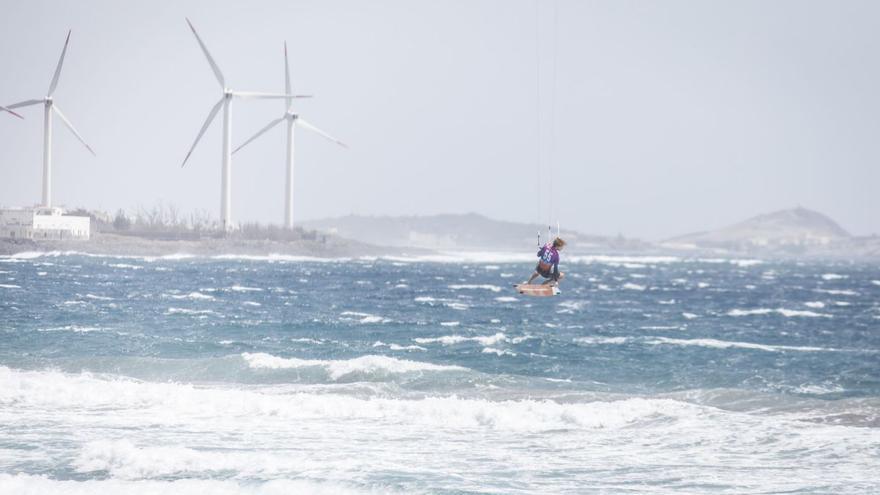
{"x": 558, "y": 242}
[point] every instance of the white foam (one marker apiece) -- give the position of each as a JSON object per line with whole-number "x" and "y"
{"x": 210, "y": 438}
{"x": 838, "y": 292}
{"x": 506, "y": 299}
{"x": 493, "y": 288}
{"x": 815, "y": 304}
{"x": 27, "y": 484}
{"x": 723, "y": 344}
{"x": 98, "y": 298}
{"x": 572, "y": 306}
{"x": 742, "y": 263}
{"x": 239, "y": 288}
{"x": 125, "y": 265}
{"x": 782, "y": 311}
{"x": 818, "y": 389}
{"x": 690, "y": 316}
{"x": 398, "y": 347}
{"x": 450, "y": 323}
{"x": 617, "y": 261}
{"x": 188, "y": 311}
{"x": 875, "y": 282}
{"x": 29, "y": 255}
{"x": 486, "y": 340}
{"x": 476, "y": 257}
{"x": 746, "y": 263}
{"x": 9, "y": 286}
{"x": 195, "y": 296}
{"x": 288, "y": 258}
{"x": 251, "y": 303}
{"x": 449, "y": 303}
{"x": 171, "y": 257}
{"x": 498, "y": 352}
{"x": 338, "y": 369}
{"x": 632, "y": 286}
{"x": 365, "y": 318}
{"x": 833, "y": 276}
{"x": 71, "y": 328}
{"x": 601, "y": 340}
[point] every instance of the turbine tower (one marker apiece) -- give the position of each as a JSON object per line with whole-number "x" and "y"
{"x": 49, "y": 108}
{"x": 225, "y": 101}
{"x": 292, "y": 119}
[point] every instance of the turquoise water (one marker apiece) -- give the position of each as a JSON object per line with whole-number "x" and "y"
{"x": 431, "y": 375}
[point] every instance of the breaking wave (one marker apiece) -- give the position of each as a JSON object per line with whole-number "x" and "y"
{"x": 371, "y": 366}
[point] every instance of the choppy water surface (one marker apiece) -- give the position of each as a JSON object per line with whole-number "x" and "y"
{"x": 297, "y": 375}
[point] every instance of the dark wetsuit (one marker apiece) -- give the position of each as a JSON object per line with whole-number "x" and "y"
{"x": 548, "y": 265}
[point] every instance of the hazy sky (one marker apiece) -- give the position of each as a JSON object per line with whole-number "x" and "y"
{"x": 665, "y": 117}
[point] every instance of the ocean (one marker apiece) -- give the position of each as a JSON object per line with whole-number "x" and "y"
{"x": 281, "y": 374}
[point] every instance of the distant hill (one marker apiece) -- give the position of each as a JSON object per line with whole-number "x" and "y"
{"x": 798, "y": 226}
{"x": 455, "y": 231}
{"x": 786, "y": 232}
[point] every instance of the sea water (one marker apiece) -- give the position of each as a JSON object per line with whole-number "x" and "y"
{"x": 271, "y": 375}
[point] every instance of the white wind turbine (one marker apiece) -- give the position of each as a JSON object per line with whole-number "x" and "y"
{"x": 292, "y": 120}
{"x": 49, "y": 108}
{"x": 225, "y": 100}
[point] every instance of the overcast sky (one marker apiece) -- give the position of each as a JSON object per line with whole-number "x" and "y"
{"x": 649, "y": 119}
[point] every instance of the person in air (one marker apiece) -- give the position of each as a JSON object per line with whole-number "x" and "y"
{"x": 548, "y": 264}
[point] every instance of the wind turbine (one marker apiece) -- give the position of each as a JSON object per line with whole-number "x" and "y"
{"x": 49, "y": 108}
{"x": 292, "y": 120}
{"x": 225, "y": 100}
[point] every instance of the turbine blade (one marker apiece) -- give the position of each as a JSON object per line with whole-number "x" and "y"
{"x": 252, "y": 94}
{"x": 24, "y": 104}
{"x": 214, "y": 67}
{"x": 204, "y": 128}
{"x": 10, "y": 111}
{"x": 72, "y": 129}
{"x": 287, "y": 89}
{"x": 314, "y": 129}
{"x": 260, "y": 133}
{"x": 58, "y": 68}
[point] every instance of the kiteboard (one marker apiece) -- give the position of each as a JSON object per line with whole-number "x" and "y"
{"x": 537, "y": 290}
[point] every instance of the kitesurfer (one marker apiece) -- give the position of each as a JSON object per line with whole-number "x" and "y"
{"x": 548, "y": 264}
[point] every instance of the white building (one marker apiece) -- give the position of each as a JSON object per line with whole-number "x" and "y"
{"x": 42, "y": 223}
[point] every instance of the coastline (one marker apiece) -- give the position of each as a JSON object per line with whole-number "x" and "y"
{"x": 126, "y": 245}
